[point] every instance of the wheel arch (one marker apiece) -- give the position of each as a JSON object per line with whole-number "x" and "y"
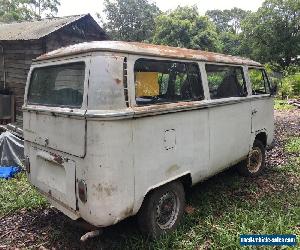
{"x": 185, "y": 179}
{"x": 262, "y": 137}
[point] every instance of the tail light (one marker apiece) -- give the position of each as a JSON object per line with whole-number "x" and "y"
{"x": 82, "y": 191}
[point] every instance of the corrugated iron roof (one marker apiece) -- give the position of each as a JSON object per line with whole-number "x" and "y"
{"x": 32, "y": 30}
{"x": 147, "y": 49}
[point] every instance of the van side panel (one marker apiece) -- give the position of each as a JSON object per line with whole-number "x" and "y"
{"x": 263, "y": 117}
{"x": 230, "y": 134}
{"x": 167, "y": 146}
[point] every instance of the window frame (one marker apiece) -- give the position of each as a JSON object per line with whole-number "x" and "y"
{"x": 265, "y": 78}
{"x": 168, "y": 60}
{"x": 57, "y": 64}
{"x": 245, "y": 87}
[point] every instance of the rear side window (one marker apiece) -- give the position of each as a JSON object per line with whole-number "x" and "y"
{"x": 225, "y": 81}
{"x": 166, "y": 81}
{"x": 60, "y": 85}
{"x": 259, "y": 82}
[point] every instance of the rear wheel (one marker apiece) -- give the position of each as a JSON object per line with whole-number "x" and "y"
{"x": 162, "y": 210}
{"x": 255, "y": 162}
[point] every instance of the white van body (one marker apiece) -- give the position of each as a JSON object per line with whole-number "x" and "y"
{"x": 118, "y": 150}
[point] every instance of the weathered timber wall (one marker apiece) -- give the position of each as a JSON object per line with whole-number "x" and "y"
{"x": 18, "y": 55}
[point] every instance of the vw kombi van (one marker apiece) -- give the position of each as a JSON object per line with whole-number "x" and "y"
{"x": 116, "y": 129}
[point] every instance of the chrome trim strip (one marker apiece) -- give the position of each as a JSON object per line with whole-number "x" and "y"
{"x": 143, "y": 111}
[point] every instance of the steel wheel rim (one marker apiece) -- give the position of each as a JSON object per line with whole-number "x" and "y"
{"x": 255, "y": 160}
{"x": 167, "y": 210}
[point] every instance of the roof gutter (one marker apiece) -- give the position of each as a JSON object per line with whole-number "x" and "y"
{"x": 3, "y": 66}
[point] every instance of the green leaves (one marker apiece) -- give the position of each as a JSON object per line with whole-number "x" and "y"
{"x": 273, "y": 32}
{"x": 130, "y": 20}
{"x": 228, "y": 20}
{"x": 19, "y": 10}
{"x": 184, "y": 27}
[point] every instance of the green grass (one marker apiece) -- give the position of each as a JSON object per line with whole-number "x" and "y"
{"x": 17, "y": 194}
{"x": 293, "y": 145}
{"x": 227, "y": 206}
{"x": 282, "y": 105}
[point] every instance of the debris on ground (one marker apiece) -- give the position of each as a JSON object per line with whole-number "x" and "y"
{"x": 294, "y": 102}
{"x": 90, "y": 235}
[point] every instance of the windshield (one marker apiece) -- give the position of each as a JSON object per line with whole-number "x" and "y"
{"x": 59, "y": 85}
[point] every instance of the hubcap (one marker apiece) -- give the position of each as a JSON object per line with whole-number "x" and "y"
{"x": 167, "y": 210}
{"x": 255, "y": 160}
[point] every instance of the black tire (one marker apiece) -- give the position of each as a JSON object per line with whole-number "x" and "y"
{"x": 154, "y": 222}
{"x": 254, "y": 164}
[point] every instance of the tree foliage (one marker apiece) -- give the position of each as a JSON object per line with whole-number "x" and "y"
{"x": 228, "y": 20}
{"x": 13, "y": 10}
{"x": 19, "y": 10}
{"x": 45, "y": 8}
{"x": 228, "y": 23}
{"x": 130, "y": 20}
{"x": 272, "y": 34}
{"x": 184, "y": 27}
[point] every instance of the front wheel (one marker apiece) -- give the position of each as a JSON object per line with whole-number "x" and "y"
{"x": 255, "y": 162}
{"x": 162, "y": 210}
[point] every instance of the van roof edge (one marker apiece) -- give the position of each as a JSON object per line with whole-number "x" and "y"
{"x": 148, "y": 50}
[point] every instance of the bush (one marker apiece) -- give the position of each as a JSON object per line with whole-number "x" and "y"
{"x": 286, "y": 88}
{"x": 288, "y": 81}
{"x": 290, "y": 86}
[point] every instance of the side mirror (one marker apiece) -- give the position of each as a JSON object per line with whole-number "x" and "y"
{"x": 274, "y": 89}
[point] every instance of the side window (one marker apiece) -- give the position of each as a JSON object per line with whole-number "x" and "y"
{"x": 259, "y": 81}
{"x": 225, "y": 81}
{"x": 166, "y": 81}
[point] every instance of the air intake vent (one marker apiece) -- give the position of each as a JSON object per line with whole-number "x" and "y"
{"x": 125, "y": 82}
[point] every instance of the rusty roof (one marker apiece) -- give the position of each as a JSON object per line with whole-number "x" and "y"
{"x": 149, "y": 50}
{"x": 32, "y": 30}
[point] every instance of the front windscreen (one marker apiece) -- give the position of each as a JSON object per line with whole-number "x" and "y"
{"x": 58, "y": 86}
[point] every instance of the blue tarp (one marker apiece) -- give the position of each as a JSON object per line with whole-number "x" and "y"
{"x": 9, "y": 172}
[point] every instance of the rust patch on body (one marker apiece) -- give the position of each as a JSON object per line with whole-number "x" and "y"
{"x": 118, "y": 81}
{"x": 167, "y": 106}
{"x": 57, "y": 158}
{"x": 105, "y": 190}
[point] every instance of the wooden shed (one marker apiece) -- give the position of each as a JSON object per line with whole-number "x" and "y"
{"x": 24, "y": 41}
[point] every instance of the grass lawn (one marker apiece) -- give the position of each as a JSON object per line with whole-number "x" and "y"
{"x": 282, "y": 105}
{"x": 220, "y": 209}
{"x": 17, "y": 194}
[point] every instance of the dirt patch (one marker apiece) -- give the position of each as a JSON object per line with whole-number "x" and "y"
{"x": 287, "y": 123}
